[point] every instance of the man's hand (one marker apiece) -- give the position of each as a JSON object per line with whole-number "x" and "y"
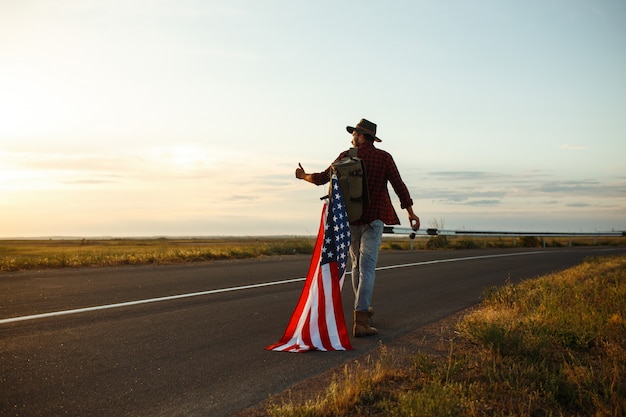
{"x": 414, "y": 221}
{"x": 300, "y": 172}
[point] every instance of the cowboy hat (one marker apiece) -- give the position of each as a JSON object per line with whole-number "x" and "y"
{"x": 366, "y": 127}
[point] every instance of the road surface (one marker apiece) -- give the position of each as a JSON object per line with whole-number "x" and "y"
{"x": 188, "y": 340}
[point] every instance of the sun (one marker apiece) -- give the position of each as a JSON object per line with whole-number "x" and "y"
{"x": 187, "y": 158}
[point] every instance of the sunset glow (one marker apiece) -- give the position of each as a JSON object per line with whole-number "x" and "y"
{"x": 189, "y": 117}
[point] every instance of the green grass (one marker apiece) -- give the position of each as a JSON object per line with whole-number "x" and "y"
{"x": 552, "y": 346}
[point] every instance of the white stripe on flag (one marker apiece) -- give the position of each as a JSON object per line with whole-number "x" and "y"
{"x": 317, "y": 322}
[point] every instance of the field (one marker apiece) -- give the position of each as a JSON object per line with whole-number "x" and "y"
{"x": 60, "y": 253}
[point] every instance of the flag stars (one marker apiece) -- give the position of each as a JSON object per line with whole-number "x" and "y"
{"x": 337, "y": 232}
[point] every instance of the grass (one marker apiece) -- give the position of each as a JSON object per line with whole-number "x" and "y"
{"x": 55, "y": 253}
{"x": 551, "y": 346}
{"x": 61, "y": 253}
{"x": 465, "y": 242}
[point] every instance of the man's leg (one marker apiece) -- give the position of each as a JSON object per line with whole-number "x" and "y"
{"x": 355, "y": 247}
{"x": 369, "y": 245}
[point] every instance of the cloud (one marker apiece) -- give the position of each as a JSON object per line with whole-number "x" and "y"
{"x": 474, "y": 196}
{"x": 588, "y": 187}
{"x": 574, "y": 147}
{"x": 514, "y": 193}
{"x": 483, "y": 203}
{"x": 566, "y": 186}
{"x": 58, "y": 161}
{"x": 465, "y": 175}
{"x": 174, "y": 162}
{"x": 236, "y": 198}
{"x": 281, "y": 179}
{"x": 87, "y": 182}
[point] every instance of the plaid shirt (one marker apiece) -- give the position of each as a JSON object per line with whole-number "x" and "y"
{"x": 380, "y": 168}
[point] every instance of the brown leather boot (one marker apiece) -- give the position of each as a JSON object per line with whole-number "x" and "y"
{"x": 361, "y": 324}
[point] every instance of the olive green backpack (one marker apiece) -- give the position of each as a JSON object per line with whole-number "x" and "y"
{"x": 352, "y": 180}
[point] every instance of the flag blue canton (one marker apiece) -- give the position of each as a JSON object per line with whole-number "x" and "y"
{"x": 337, "y": 231}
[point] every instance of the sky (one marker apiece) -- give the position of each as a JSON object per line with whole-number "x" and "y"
{"x": 188, "y": 118}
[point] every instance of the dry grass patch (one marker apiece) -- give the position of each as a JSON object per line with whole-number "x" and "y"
{"x": 42, "y": 254}
{"x": 552, "y": 346}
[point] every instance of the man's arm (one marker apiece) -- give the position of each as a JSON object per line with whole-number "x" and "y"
{"x": 301, "y": 175}
{"x": 406, "y": 202}
{"x": 318, "y": 178}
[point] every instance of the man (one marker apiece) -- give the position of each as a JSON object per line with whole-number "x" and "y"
{"x": 367, "y": 232}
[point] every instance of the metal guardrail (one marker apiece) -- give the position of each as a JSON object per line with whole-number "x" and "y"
{"x": 445, "y": 232}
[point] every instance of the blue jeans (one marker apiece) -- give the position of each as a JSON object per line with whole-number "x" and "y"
{"x": 364, "y": 246}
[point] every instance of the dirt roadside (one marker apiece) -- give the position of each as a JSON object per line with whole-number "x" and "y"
{"x": 433, "y": 339}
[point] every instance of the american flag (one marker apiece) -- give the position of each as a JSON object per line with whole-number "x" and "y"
{"x": 317, "y": 322}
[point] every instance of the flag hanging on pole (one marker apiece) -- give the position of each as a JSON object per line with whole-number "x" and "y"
{"x": 317, "y": 322}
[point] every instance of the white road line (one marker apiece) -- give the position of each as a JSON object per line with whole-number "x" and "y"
{"x": 468, "y": 258}
{"x": 223, "y": 290}
{"x": 146, "y": 301}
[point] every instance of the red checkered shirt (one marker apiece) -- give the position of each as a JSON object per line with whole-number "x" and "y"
{"x": 380, "y": 168}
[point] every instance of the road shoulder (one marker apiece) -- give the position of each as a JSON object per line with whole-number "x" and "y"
{"x": 433, "y": 339}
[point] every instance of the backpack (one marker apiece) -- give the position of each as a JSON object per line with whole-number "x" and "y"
{"x": 350, "y": 172}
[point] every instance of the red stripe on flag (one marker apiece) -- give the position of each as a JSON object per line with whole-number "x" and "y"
{"x": 322, "y": 326}
{"x": 340, "y": 321}
{"x": 302, "y": 302}
{"x": 317, "y": 322}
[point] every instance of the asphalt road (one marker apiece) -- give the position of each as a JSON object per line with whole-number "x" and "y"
{"x": 203, "y": 354}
